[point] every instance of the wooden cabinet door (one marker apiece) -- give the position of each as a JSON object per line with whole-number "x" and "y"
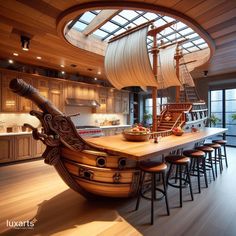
{"x": 23, "y": 147}
{"x": 6, "y": 149}
{"x": 56, "y": 94}
{"x": 110, "y": 104}
{"x": 25, "y": 105}
{"x": 9, "y": 99}
{"x": 38, "y": 148}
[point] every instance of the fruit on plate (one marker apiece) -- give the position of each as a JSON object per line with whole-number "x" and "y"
{"x": 177, "y": 130}
{"x": 139, "y": 129}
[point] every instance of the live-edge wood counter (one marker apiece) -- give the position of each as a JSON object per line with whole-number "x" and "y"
{"x": 143, "y": 150}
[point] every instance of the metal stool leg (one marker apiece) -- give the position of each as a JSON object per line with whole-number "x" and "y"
{"x": 140, "y": 190}
{"x": 165, "y": 191}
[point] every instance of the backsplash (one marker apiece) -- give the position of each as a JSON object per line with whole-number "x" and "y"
{"x": 86, "y": 117}
{"x": 16, "y": 119}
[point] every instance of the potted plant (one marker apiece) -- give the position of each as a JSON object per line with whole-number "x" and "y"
{"x": 213, "y": 120}
{"x": 146, "y": 117}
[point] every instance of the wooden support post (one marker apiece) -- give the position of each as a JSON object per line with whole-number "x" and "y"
{"x": 154, "y": 89}
{"x": 178, "y": 55}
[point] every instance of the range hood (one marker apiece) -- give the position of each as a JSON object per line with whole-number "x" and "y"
{"x": 82, "y": 102}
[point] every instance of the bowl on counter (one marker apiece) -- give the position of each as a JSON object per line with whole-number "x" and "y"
{"x": 136, "y": 136}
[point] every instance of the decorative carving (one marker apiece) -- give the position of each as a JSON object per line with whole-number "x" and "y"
{"x": 117, "y": 177}
{"x": 51, "y": 155}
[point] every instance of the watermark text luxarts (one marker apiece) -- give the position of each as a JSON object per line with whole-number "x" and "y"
{"x": 26, "y": 224}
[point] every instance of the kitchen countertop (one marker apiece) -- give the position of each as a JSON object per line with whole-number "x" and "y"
{"x": 15, "y": 133}
{"x": 114, "y": 126}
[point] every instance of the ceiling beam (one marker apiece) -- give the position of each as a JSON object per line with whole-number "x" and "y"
{"x": 99, "y": 20}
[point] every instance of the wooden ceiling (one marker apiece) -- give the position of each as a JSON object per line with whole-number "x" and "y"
{"x": 38, "y": 19}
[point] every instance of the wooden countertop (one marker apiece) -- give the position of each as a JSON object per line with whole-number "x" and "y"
{"x": 142, "y": 150}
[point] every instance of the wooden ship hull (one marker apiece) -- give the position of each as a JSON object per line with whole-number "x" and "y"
{"x": 87, "y": 169}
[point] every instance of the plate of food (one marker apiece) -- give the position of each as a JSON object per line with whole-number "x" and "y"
{"x": 137, "y": 133}
{"x": 177, "y": 131}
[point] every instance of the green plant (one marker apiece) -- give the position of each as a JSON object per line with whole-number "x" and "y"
{"x": 146, "y": 116}
{"x": 213, "y": 120}
{"x": 233, "y": 116}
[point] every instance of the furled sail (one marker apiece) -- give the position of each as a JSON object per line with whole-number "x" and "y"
{"x": 167, "y": 67}
{"x": 127, "y": 62}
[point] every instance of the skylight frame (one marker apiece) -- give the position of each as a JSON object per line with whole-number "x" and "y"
{"x": 179, "y": 32}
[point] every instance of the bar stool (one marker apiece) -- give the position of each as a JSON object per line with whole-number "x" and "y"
{"x": 179, "y": 161}
{"x": 152, "y": 168}
{"x": 208, "y": 151}
{"x": 223, "y": 145}
{"x": 217, "y": 156}
{"x": 197, "y": 157}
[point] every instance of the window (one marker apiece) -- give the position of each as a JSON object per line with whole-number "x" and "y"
{"x": 223, "y": 106}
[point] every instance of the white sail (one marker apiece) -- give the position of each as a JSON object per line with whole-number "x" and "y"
{"x": 127, "y": 62}
{"x": 167, "y": 67}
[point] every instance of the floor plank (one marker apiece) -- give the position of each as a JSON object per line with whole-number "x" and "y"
{"x": 34, "y": 190}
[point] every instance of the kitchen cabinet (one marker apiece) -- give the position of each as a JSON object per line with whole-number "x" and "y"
{"x": 23, "y": 147}
{"x": 9, "y": 99}
{"x": 38, "y": 148}
{"x": 56, "y": 94}
{"x": 7, "y": 151}
{"x": 110, "y": 103}
{"x": 19, "y": 146}
{"x": 24, "y": 104}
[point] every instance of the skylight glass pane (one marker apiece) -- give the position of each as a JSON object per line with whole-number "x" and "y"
{"x": 202, "y": 46}
{"x": 119, "y": 20}
{"x": 172, "y": 37}
{"x": 199, "y": 41}
{"x": 140, "y": 12}
{"x": 128, "y": 14}
{"x": 110, "y": 27}
{"x": 87, "y": 17}
{"x": 185, "y": 51}
{"x": 140, "y": 20}
{"x": 168, "y": 19}
{"x": 179, "y": 26}
{"x": 130, "y": 25}
{"x": 186, "y": 45}
{"x": 150, "y": 16}
{"x": 108, "y": 38}
{"x": 186, "y": 31}
{"x": 79, "y": 26}
{"x": 193, "y": 49}
{"x": 194, "y": 35}
{"x": 159, "y": 22}
{"x": 120, "y": 31}
{"x": 100, "y": 33}
{"x": 167, "y": 31}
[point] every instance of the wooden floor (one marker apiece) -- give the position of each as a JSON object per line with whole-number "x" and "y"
{"x": 34, "y": 191}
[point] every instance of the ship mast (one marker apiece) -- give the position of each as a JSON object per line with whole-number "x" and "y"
{"x": 153, "y": 32}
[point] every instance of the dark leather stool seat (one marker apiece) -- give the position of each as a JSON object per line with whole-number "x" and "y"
{"x": 180, "y": 162}
{"x": 152, "y": 168}
{"x": 197, "y": 158}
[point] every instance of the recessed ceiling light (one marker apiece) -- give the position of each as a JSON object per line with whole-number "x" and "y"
{"x": 15, "y": 54}
{"x": 39, "y": 58}
{"x": 63, "y": 72}
{"x": 95, "y": 78}
{"x": 10, "y": 61}
{"x": 62, "y": 66}
{"x": 99, "y": 72}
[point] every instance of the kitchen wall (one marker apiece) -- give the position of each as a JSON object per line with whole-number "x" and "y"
{"x": 16, "y": 119}
{"x": 86, "y": 116}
